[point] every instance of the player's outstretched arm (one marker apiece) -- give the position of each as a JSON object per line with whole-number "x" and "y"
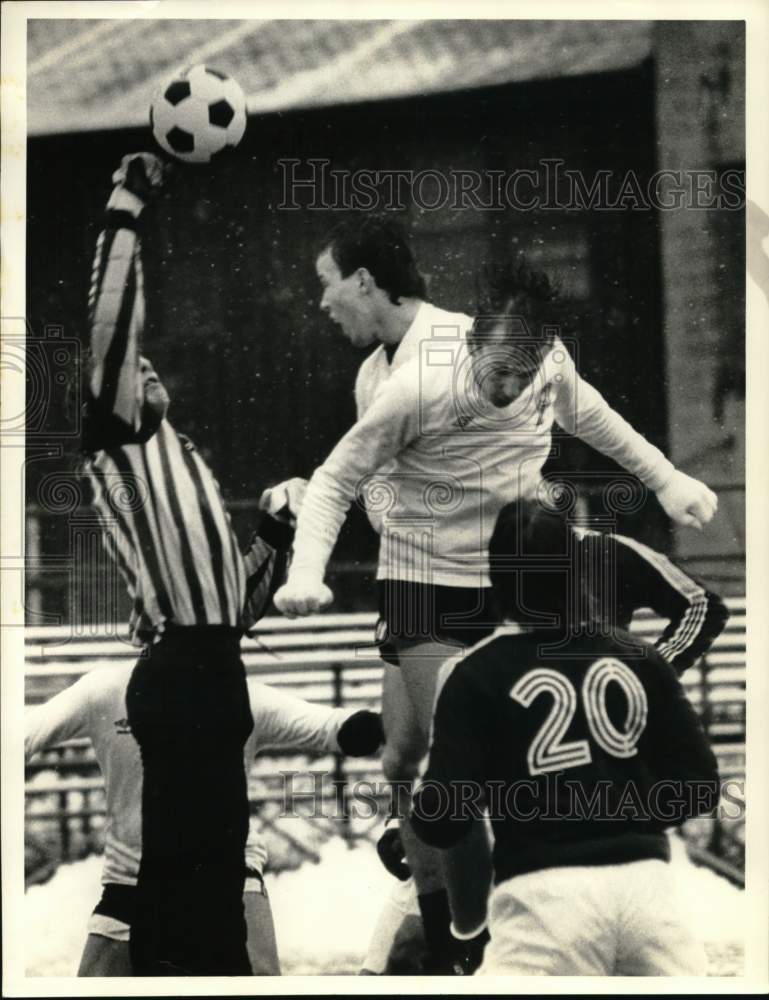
{"x": 687, "y": 501}
{"x": 696, "y": 615}
{"x": 116, "y": 298}
{"x": 283, "y": 720}
{"x": 581, "y": 410}
{"x": 66, "y": 716}
{"x": 388, "y": 426}
{"x": 266, "y": 556}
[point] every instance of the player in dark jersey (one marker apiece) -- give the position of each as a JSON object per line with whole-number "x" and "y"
{"x": 640, "y": 578}
{"x": 194, "y": 593}
{"x": 580, "y": 742}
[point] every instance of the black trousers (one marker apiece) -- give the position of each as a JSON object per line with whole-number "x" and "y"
{"x": 188, "y": 707}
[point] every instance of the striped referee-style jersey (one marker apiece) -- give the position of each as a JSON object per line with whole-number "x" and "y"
{"x": 158, "y": 503}
{"x": 171, "y": 535}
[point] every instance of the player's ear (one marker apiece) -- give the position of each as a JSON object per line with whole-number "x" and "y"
{"x": 366, "y": 282}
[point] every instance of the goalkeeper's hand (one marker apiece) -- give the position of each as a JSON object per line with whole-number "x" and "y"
{"x": 391, "y": 853}
{"x": 139, "y": 178}
{"x": 687, "y": 501}
{"x": 284, "y": 501}
{"x": 361, "y": 734}
{"x": 304, "y": 593}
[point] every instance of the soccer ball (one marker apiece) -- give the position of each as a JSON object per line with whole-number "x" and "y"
{"x": 197, "y": 113}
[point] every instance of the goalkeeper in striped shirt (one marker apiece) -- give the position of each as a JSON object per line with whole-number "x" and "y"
{"x": 194, "y": 594}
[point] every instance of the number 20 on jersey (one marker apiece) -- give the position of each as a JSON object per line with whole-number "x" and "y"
{"x": 548, "y": 750}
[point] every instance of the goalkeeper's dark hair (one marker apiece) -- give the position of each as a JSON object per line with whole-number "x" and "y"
{"x": 380, "y": 244}
{"x": 536, "y": 567}
{"x": 514, "y": 297}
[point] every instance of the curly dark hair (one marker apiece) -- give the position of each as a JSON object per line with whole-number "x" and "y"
{"x": 519, "y": 299}
{"x": 381, "y": 245}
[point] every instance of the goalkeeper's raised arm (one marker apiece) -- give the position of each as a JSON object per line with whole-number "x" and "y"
{"x": 125, "y": 399}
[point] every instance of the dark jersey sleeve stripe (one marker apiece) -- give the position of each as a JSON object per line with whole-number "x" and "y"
{"x": 696, "y": 614}
{"x": 712, "y": 620}
{"x": 116, "y": 353}
{"x": 266, "y": 560}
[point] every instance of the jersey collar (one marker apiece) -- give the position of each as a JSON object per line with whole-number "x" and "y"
{"x": 416, "y": 333}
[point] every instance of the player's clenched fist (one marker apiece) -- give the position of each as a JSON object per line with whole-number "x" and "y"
{"x": 687, "y": 501}
{"x": 303, "y": 594}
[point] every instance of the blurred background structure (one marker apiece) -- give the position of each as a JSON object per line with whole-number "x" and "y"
{"x": 260, "y": 380}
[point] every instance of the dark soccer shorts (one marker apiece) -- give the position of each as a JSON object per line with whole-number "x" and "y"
{"x": 114, "y": 913}
{"x": 412, "y": 613}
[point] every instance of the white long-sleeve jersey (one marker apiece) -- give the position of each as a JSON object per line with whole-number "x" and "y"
{"x": 94, "y": 707}
{"x": 434, "y": 463}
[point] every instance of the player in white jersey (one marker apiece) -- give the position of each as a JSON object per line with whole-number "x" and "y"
{"x": 94, "y": 708}
{"x": 454, "y": 421}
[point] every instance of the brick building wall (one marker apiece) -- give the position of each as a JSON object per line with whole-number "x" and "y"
{"x": 700, "y": 114}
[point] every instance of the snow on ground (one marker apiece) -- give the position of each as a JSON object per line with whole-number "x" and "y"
{"x": 324, "y": 913}
{"x": 55, "y": 917}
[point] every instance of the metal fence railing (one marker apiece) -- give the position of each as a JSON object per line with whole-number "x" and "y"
{"x": 328, "y": 659}
{"x": 70, "y": 578}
